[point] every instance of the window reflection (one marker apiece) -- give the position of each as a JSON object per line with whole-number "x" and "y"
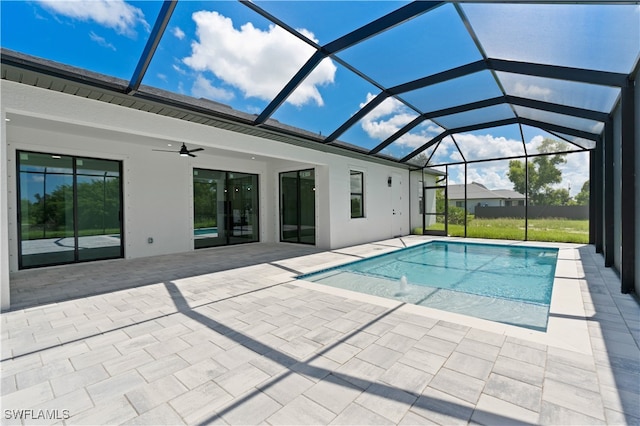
{"x": 225, "y": 208}
{"x": 68, "y": 212}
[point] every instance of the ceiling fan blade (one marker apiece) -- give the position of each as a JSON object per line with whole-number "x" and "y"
{"x": 163, "y": 150}
{"x": 196, "y": 150}
{"x": 191, "y": 155}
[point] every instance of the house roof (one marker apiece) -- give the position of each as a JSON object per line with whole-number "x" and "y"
{"x": 477, "y": 191}
{"x": 509, "y": 194}
{"x": 406, "y": 79}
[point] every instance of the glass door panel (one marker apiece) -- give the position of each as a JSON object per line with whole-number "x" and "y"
{"x": 298, "y": 207}
{"x": 225, "y": 208}
{"x": 69, "y": 209}
{"x": 46, "y": 210}
{"x": 307, "y": 207}
{"x": 209, "y": 208}
{"x": 99, "y": 206}
{"x": 435, "y": 209}
{"x": 243, "y": 202}
{"x": 289, "y": 205}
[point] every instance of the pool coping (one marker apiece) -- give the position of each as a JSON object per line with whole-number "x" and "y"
{"x": 567, "y": 324}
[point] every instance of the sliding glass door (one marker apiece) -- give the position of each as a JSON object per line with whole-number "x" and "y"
{"x": 70, "y": 209}
{"x": 225, "y": 208}
{"x": 298, "y": 207}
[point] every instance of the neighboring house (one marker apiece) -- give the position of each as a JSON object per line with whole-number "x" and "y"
{"x": 480, "y": 195}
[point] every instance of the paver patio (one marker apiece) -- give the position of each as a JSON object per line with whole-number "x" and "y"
{"x": 229, "y": 336}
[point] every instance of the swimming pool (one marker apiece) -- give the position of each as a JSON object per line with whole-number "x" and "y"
{"x": 500, "y": 283}
{"x": 206, "y": 232}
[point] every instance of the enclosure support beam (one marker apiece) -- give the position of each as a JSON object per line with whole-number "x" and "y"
{"x": 152, "y": 44}
{"x": 608, "y": 194}
{"x": 595, "y": 197}
{"x": 628, "y": 196}
{"x": 466, "y": 206}
{"x": 526, "y": 198}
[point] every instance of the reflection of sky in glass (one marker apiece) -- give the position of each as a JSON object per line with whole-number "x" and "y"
{"x": 534, "y": 138}
{"x": 590, "y": 126}
{"x": 581, "y": 95}
{"x": 477, "y": 116}
{"x": 32, "y": 185}
{"x": 463, "y": 90}
{"x": 430, "y": 43}
{"x": 580, "y": 142}
{"x": 583, "y": 36}
{"x": 329, "y": 20}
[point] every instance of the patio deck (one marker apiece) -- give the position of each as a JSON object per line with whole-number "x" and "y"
{"x": 227, "y": 336}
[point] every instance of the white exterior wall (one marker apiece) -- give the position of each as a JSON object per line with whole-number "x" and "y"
{"x": 157, "y": 186}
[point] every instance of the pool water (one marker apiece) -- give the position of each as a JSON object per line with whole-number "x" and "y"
{"x": 206, "y": 232}
{"x": 500, "y": 283}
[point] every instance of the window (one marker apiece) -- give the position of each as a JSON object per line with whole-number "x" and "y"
{"x": 357, "y": 199}
{"x": 459, "y": 203}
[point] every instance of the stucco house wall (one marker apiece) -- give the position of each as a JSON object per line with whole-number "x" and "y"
{"x": 157, "y": 186}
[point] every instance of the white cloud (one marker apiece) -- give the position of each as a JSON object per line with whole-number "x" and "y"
{"x": 101, "y": 41}
{"x": 387, "y": 118}
{"x": 202, "y": 88}
{"x": 257, "y": 62}
{"x": 494, "y": 174}
{"x": 162, "y": 77}
{"x": 115, "y": 14}
{"x": 179, "y": 70}
{"x": 481, "y": 147}
{"x": 178, "y": 33}
{"x": 574, "y": 172}
{"x": 530, "y": 91}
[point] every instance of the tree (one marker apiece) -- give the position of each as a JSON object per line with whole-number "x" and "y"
{"x": 543, "y": 172}
{"x": 455, "y": 215}
{"x": 582, "y": 198}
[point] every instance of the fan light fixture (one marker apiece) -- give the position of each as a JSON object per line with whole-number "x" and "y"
{"x": 184, "y": 151}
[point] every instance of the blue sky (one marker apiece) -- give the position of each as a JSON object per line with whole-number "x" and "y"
{"x": 225, "y": 52}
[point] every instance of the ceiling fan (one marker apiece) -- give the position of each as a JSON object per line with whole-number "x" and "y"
{"x": 184, "y": 152}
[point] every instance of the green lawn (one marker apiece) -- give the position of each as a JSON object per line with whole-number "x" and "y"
{"x": 36, "y": 234}
{"x": 555, "y": 230}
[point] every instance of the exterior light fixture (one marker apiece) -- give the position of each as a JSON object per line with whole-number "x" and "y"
{"x": 389, "y": 181}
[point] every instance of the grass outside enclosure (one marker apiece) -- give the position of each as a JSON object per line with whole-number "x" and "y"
{"x": 553, "y": 230}
{"x": 37, "y": 233}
